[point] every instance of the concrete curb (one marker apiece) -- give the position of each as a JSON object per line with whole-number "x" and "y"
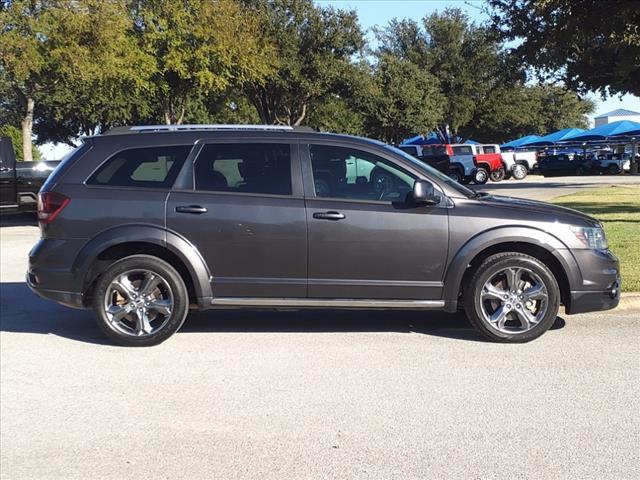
{"x": 629, "y": 302}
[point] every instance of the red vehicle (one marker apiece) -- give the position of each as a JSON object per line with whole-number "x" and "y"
{"x": 489, "y": 162}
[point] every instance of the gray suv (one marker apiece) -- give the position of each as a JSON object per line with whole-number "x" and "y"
{"x": 142, "y": 224}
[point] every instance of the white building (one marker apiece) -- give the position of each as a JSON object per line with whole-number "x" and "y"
{"x": 617, "y": 115}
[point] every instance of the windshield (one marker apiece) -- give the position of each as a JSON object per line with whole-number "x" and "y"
{"x": 433, "y": 172}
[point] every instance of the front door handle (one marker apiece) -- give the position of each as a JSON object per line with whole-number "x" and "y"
{"x": 192, "y": 209}
{"x": 328, "y": 215}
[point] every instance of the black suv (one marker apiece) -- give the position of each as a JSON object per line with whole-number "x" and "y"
{"x": 144, "y": 223}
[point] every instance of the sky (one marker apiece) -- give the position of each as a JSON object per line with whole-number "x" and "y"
{"x": 379, "y": 12}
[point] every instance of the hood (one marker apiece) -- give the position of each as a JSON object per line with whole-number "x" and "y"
{"x": 551, "y": 213}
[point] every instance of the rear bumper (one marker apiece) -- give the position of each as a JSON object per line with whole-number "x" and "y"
{"x": 68, "y": 299}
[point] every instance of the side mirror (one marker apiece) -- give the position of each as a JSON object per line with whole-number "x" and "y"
{"x": 424, "y": 193}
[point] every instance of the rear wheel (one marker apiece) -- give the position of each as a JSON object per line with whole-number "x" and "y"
{"x": 519, "y": 171}
{"x": 497, "y": 175}
{"x": 455, "y": 174}
{"x": 140, "y": 300}
{"x": 512, "y": 298}
{"x": 481, "y": 176}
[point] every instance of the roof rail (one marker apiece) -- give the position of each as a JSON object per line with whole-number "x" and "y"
{"x": 158, "y": 128}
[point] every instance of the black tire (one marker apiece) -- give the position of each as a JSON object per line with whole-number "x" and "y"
{"x": 169, "y": 322}
{"x": 497, "y": 175}
{"x": 481, "y": 176}
{"x": 519, "y": 171}
{"x": 494, "y": 265}
{"x": 613, "y": 169}
{"x": 455, "y": 174}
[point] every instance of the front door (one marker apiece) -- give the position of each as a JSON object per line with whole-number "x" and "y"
{"x": 246, "y": 216}
{"x": 365, "y": 240}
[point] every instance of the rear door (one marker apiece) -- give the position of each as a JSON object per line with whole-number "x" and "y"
{"x": 364, "y": 240}
{"x": 246, "y": 216}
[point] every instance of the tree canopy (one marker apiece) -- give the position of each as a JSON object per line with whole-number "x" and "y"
{"x": 591, "y": 45}
{"x": 76, "y": 67}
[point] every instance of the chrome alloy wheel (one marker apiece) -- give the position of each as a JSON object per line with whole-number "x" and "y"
{"x": 138, "y": 303}
{"x": 514, "y": 300}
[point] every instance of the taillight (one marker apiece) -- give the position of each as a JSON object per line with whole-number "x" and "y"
{"x": 50, "y": 204}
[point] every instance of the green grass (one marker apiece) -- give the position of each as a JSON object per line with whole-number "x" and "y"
{"x": 618, "y": 208}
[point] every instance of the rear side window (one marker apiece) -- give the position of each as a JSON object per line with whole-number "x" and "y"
{"x": 244, "y": 168}
{"x": 462, "y": 150}
{"x": 487, "y": 149}
{"x": 150, "y": 167}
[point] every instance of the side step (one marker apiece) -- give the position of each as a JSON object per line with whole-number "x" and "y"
{"x": 326, "y": 303}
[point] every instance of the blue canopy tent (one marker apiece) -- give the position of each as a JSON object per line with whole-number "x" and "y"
{"x": 471, "y": 142}
{"x": 621, "y": 128}
{"x": 518, "y": 142}
{"x": 552, "y": 138}
{"x": 429, "y": 139}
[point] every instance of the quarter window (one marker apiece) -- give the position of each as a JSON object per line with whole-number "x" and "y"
{"x": 152, "y": 167}
{"x": 462, "y": 150}
{"x": 244, "y": 168}
{"x": 340, "y": 172}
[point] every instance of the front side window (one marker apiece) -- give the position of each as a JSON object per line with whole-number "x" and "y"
{"x": 341, "y": 172}
{"x": 263, "y": 168}
{"x": 150, "y": 167}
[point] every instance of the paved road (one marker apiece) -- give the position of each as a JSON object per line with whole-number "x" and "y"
{"x": 311, "y": 395}
{"x": 537, "y": 187}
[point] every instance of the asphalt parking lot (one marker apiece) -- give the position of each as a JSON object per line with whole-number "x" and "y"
{"x": 320, "y": 394}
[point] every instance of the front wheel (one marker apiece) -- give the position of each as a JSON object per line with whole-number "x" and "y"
{"x": 519, "y": 171}
{"x": 512, "y": 298}
{"x": 481, "y": 176}
{"x": 613, "y": 169}
{"x": 140, "y": 300}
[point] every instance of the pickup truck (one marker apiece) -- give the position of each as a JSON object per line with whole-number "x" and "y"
{"x": 519, "y": 163}
{"x": 20, "y": 181}
{"x": 614, "y": 163}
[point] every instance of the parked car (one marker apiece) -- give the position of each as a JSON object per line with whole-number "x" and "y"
{"x": 488, "y": 156}
{"x": 614, "y": 163}
{"x": 463, "y": 165}
{"x": 20, "y": 181}
{"x": 520, "y": 163}
{"x": 566, "y": 164}
{"x": 143, "y": 224}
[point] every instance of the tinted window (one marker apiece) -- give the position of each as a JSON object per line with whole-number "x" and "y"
{"x": 247, "y": 168}
{"x": 410, "y": 150}
{"x": 462, "y": 150}
{"x": 340, "y": 172}
{"x": 434, "y": 150}
{"x": 151, "y": 167}
{"x": 488, "y": 149}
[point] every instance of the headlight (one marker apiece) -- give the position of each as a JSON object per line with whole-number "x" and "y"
{"x": 591, "y": 237}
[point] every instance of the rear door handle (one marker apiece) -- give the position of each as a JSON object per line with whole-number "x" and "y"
{"x": 192, "y": 209}
{"x": 329, "y": 215}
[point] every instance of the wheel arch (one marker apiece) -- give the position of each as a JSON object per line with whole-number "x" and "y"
{"x": 127, "y": 240}
{"x": 541, "y": 245}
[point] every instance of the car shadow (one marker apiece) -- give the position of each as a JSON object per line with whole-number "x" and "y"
{"x": 22, "y": 312}
{"x": 18, "y": 220}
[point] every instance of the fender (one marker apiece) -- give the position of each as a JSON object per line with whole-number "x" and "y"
{"x": 183, "y": 249}
{"x": 507, "y": 234}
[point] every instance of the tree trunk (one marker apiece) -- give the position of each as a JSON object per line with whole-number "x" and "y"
{"x": 27, "y": 129}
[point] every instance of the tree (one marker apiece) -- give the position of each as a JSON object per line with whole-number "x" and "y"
{"x": 464, "y": 58}
{"x": 313, "y": 51}
{"x": 517, "y": 110}
{"x": 70, "y": 65}
{"x": 200, "y": 47}
{"x": 591, "y": 45}
{"x": 404, "y": 100}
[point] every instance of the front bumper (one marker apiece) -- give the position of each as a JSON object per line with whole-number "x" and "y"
{"x": 601, "y": 282}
